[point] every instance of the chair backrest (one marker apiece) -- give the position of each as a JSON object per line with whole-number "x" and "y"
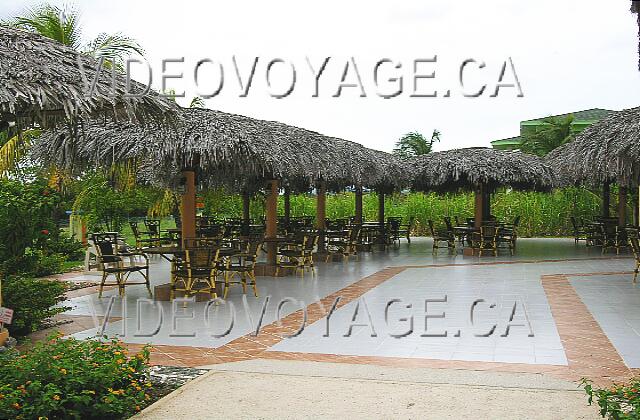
{"x": 354, "y": 234}
{"x": 432, "y": 228}
{"x": 574, "y": 223}
{"x": 489, "y": 231}
{"x": 394, "y": 223}
{"x": 447, "y": 222}
{"x": 106, "y": 245}
{"x": 635, "y": 246}
{"x": 153, "y": 226}
{"x": 310, "y": 241}
{"x": 201, "y": 258}
{"x": 134, "y": 228}
{"x": 457, "y": 219}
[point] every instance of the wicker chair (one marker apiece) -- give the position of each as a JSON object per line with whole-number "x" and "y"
{"x": 441, "y": 236}
{"x": 634, "y": 243}
{"x": 407, "y": 229}
{"x": 111, "y": 260}
{"x": 346, "y": 245}
{"x": 141, "y": 241}
{"x": 393, "y": 231}
{"x": 298, "y": 255}
{"x": 153, "y": 230}
{"x": 579, "y": 231}
{"x": 487, "y": 239}
{"x": 196, "y": 271}
{"x": 242, "y": 264}
{"x": 613, "y": 237}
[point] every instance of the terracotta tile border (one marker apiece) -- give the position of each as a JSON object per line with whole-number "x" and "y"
{"x": 589, "y": 351}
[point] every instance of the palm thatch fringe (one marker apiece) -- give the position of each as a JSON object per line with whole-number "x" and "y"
{"x": 227, "y": 149}
{"x": 457, "y": 169}
{"x": 42, "y": 81}
{"x": 608, "y": 150}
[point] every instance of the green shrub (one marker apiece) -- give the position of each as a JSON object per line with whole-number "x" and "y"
{"x": 68, "y": 378}
{"x": 26, "y": 216}
{"x": 619, "y": 402}
{"x": 33, "y": 301}
{"x": 62, "y": 244}
{"x": 35, "y": 263}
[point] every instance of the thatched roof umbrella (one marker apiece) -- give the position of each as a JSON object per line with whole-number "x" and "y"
{"x": 45, "y": 82}
{"x": 227, "y": 149}
{"x": 481, "y": 170}
{"x": 224, "y": 149}
{"x": 607, "y": 151}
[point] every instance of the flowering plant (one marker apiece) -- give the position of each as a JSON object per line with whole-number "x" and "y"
{"x": 619, "y": 402}
{"x": 69, "y": 378}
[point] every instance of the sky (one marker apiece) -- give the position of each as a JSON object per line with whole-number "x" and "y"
{"x": 567, "y": 56}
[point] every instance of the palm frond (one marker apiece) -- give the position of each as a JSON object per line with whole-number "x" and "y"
{"x": 59, "y": 24}
{"x": 14, "y": 150}
{"x": 113, "y": 48}
{"x": 164, "y": 205}
{"x": 197, "y": 102}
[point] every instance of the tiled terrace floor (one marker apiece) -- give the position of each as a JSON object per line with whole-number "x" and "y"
{"x": 581, "y": 306}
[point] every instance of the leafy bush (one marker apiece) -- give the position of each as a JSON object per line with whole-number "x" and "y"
{"x": 35, "y": 263}
{"x": 64, "y": 245}
{"x": 620, "y": 402}
{"x": 106, "y": 208}
{"x": 542, "y": 214}
{"x": 26, "y": 210}
{"x": 68, "y": 378}
{"x": 33, "y": 302}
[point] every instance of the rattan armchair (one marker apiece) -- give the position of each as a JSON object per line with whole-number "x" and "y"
{"x": 195, "y": 271}
{"x": 487, "y": 239}
{"x": 114, "y": 259}
{"x": 441, "y": 237}
{"x": 345, "y": 245}
{"x": 242, "y": 264}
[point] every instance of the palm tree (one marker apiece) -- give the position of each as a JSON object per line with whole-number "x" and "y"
{"x": 553, "y": 133}
{"x": 62, "y": 25}
{"x": 414, "y": 144}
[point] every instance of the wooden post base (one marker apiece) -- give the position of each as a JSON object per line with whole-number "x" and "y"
{"x": 470, "y": 252}
{"x": 162, "y": 293}
{"x": 4, "y": 336}
{"x": 268, "y": 270}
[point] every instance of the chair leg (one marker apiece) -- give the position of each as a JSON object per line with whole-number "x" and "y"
{"x": 252, "y": 276}
{"x": 226, "y": 285}
{"x": 148, "y": 283}
{"x": 104, "y": 278}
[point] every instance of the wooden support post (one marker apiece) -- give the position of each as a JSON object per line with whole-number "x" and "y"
{"x": 479, "y": 206}
{"x": 622, "y": 206}
{"x": 486, "y": 209}
{"x": 606, "y": 199}
{"x": 381, "y": 228}
{"x": 321, "y": 214}
{"x": 189, "y": 205}
{"x": 246, "y": 216}
{"x": 287, "y": 207}
{"x": 358, "y": 211}
{"x": 272, "y": 220}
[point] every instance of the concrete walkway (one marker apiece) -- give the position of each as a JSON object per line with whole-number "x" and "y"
{"x": 293, "y": 389}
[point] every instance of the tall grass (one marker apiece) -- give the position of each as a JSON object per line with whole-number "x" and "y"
{"x": 542, "y": 214}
